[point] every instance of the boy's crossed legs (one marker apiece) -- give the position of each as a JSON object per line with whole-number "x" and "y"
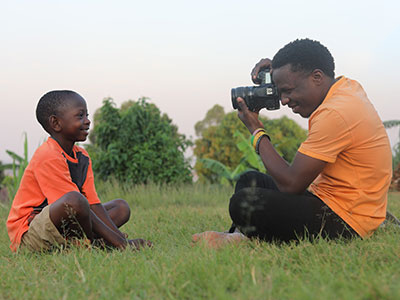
{"x": 71, "y": 216}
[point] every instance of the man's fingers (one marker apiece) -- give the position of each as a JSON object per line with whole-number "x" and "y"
{"x": 262, "y": 64}
{"x": 254, "y": 72}
{"x": 241, "y": 104}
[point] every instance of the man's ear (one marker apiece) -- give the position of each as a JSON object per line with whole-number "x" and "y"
{"x": 317, "y": 76}
{"x": 54, "y": 123}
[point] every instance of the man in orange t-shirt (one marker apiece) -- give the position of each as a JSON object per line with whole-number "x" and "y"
{"x": 356, "y": 178}
{"x": 337, "y": 184}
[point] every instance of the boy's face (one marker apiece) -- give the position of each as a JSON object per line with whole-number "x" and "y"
{"x": 73, "y": 119}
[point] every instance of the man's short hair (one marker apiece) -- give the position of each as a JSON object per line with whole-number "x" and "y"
{"x": 50, "y": 104}
{"x": 305, "y": 55}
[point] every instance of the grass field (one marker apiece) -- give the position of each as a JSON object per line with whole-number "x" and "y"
{"x": 360, "y": 269}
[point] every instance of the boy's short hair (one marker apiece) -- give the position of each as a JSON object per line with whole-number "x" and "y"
{"x": 305, "y": 55}
{"x": 50, "y": 104}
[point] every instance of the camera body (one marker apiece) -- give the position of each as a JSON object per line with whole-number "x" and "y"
{"x": 258, "y": 97}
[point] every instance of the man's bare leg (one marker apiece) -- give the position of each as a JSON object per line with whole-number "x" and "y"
{"x": 215, "y": 239}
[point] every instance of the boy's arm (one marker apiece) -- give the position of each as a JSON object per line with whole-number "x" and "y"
{"x": 111, "y": 234}
{"x": 104, "y": 231}
{"x": 102, "y": 214}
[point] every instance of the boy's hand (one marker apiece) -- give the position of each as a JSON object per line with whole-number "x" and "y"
{"x": 138, "y": 244}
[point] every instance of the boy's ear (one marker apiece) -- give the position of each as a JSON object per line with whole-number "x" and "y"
{"x": 54, "y": 123}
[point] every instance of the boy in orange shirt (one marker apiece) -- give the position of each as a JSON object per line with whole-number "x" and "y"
{"x": 57, "y": 200}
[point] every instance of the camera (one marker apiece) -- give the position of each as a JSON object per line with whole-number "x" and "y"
{"x": 257, "y": 97}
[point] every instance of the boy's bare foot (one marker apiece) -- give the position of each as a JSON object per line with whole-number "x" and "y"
{"x": 138, "y": 244}
{"x": 215, "y": 239}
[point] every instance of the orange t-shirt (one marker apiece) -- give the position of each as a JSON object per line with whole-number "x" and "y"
{"x": 50, "y": 174}
{"x": 346, "y": 132}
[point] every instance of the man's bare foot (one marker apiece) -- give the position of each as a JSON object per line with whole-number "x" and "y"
{"x": 215, "y": 239}
{"x": 138, "y": 244}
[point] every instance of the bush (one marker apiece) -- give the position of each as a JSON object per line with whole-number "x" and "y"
{"x": 136, "y": 144}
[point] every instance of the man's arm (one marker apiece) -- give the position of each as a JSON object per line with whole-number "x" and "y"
{"x": 294, "y": 178}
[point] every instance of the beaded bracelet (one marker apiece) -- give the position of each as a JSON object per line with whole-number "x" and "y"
{"x": 258, "y": 130}
{"x": 256, "y": 145}
{"x": 256, "y": 137}
{"x": 254, "y": 134}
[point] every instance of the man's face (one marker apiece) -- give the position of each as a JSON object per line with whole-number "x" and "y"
{"x": 74, "y": 119}
{"x": 298, "y": 90}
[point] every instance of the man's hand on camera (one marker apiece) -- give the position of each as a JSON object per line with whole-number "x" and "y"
{"x": 248, "y": 117}
{"x": 262, "y": 64}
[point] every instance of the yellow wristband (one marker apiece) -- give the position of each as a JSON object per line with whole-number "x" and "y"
{"x": 256, "y": 137}
{"x": 257, "y": 148}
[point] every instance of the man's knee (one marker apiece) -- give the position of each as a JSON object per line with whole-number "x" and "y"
{"x": 249, "y": 179}
{"x": 249, "y": 176}
{"x": 254, "y": 179}
{"x": 241, "y": 210}
{"x": 236, "y": 206}
{"x": 247, "y": 202}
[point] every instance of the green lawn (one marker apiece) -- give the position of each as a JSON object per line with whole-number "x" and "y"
{"x": 360, "y": 269}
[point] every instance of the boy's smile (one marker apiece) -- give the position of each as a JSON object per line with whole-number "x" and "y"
{"x": 74, "y": 120}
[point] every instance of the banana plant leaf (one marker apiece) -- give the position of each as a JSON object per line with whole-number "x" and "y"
{"x": 249, "y": 154}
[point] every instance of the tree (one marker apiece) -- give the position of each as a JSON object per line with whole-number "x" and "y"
{"x": 213, "y": 117}
{"x": 137, "y": 144}
{"x": 218, "y": 140}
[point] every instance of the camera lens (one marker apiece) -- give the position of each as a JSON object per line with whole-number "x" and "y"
{"x": 241, "y": 92}
{"x": 244, "y": 92}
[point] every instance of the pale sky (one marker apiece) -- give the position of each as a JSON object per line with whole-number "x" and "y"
{"x": 184, "y": 55}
